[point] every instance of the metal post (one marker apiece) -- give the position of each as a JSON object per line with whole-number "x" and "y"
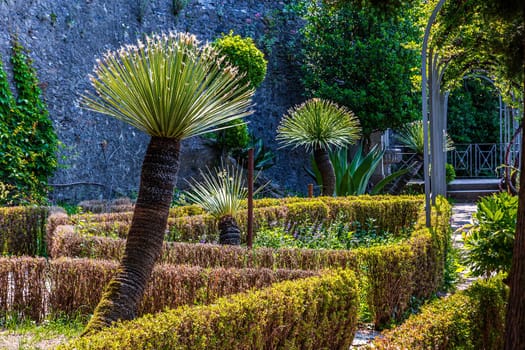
{"x": 249, "y": 238}
{"x": 424, "y": 101}
{"x": 310, "y": 190}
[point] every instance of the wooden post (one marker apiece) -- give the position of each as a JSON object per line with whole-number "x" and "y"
{"x": 310, "y": 190}
{"x": 249, "y": 238}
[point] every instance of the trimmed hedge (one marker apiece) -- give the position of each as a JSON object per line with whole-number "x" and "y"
{"x": 392, "y": 273}
{"x": 22, "y": 230}
{"x": 190, "y": 224}
{"x": 36, "y": 288}
{"x": 470, "y": 319}
{"x": 313, "y": 313}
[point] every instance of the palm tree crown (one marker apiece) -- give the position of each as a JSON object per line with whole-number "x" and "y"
{"x": 169, "y": 86}
{"x": 319, "y": 124}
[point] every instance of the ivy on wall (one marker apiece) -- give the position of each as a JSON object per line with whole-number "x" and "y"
{"x": 28, "y": 143}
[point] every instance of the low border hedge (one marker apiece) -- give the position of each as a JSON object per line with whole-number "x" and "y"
{"x": 22, "y": 230}
{"x": 313, "y": 313}
{"x": 470, "y": 319}
{"x": 37, "y": 288}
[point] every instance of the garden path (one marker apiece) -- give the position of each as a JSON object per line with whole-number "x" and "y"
{"x": 461, "y": 216}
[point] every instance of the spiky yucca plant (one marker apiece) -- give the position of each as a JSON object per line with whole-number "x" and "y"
{"x": 171, "y": 87}
{"x": 222, "y": 192}
{"x": 411, "y": 136}
{"x": 320, "y": 125}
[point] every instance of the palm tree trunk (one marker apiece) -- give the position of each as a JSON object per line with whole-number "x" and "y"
{"x": 326, "y": 169}
{"x": 229, "y": 232}
{"x": 398, "y": 184}
{"x": 146, "y": 235}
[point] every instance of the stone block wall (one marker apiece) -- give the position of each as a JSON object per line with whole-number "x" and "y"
{"x": 101, "y": 157}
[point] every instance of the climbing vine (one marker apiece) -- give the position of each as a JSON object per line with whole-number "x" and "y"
{"x": 28, "y": 143}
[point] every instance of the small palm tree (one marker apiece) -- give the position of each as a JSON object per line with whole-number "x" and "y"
{"x": 222, "y": 193}
{"x": 319, "y": 125}
{"x": 411, "y": 136}
{"x": 172, "y": 88}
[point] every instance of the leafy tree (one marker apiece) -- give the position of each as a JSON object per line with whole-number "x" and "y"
{"x": 172, "y": 88}
{"x": 473, "y": 113}
{"x": 28, "y": 143}
{"x": 241, "y": 53}
{"x": 319, "y": 125}
{"x": 361, "y": 59}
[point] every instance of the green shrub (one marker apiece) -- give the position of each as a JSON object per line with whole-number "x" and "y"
{"x": 490, "y": 239}
{"x": 28, "y": 143}
{"x": 450, "y": 173}
{"x": 470, "y": 319}
{"x": 313, "y": 313}
{"x": 243, "y": 54}
{"x": 22, "y": 230}
{"x": 249, "y": 60}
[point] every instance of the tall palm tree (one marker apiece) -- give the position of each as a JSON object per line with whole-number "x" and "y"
{"x": 171, "y": 87}
{"x": 319, "y": 125}
{"x": 222, "y": 193}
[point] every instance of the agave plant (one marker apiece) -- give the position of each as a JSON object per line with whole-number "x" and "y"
{"x": 222, "y": 193}
{"x": 171, "y": 87}
{"x": 353, "y": 178}
{"x": 319, "y": 126}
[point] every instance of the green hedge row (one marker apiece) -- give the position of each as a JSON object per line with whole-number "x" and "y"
{"x": 392, "y": 273}
{"x": 313, "y": 313}
{"x": 189, "y": 224}
{"x": 471, "y": 319}
{"x": 35, "y": 287}
{"x": 22, "y": 230}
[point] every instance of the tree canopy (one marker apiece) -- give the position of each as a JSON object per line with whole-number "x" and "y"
{"x": 364, "y": 60}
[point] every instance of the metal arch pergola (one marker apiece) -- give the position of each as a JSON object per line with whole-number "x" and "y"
{"x": 424, "y": 101}
{"x": 434, "y": 159}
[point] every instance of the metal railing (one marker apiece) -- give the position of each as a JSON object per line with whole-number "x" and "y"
{"x": 477, "y": 160}
{"x": 480, "y": 159}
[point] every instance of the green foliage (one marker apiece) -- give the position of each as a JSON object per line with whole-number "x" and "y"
{"x": 275, "y": 317}
{"x": 232, "y": 139}
{"x": 263, "y": 158}
{"x": 222, "y": 191}
{"x": 411, "y": 135}
{"x": 22, "y": 230}
{"x": 249, "y": 60}
{"x": 243, "y": 54}
{"x": 490, "y": 239}
{"x": 450, "y": 173}
{"x": 169, "y": 86}
{"x": 318, "y": 124}
{"x": 352, "y": 178}
{"x": 28, "y": 143}
{"x": 361, "y": 59}
{"x": 473, "y": 113}
{"x": 470, "y": 319}
{"x": 338, "y": 234}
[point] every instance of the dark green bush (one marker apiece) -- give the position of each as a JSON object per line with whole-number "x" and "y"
{"x": 313, "y": 313}
{"x": 490, "y": 239}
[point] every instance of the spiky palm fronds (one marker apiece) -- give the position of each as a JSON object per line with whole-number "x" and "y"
{"x": 221, "y": 192}
{"x": 319, "y": 124}
{"x": 411, "y": 136}
{"x": 168, "y": 86}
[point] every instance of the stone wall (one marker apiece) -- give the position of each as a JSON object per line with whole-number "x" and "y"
{"x": 102, "y": 156}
